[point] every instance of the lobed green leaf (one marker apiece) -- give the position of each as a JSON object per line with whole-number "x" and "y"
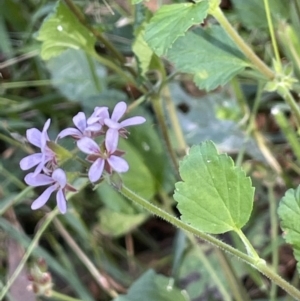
{"x": 289, "y": 214}
{"x": 61, "y": 31}
{"x": 172, "y": 21}
{"x": 210, "y": 55}
{"x": 214, "y": 196}
{"x": 142, "y": 51}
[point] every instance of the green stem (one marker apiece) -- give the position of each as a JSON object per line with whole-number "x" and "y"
{"x": 81, "y": 18}
{"x": 174, "y": 120}
{"x": 111, "y": 65}
{"x": 274, "y": 236}
{"x": 212, "y": 272}
{"x": 241, "y": 99}
{"x": 158, "y": 109}
{"x": 17, "y": 199}
{"x": 250, "y": 54}
{"x": 260, "y": 139}
{"x": 29, "y": 83}
{"x": 62, "y": 297}
{"x": 287, "y": 130}
{"x": 256, "y": 277}
{"x": 288, "y": 97}
{"x": 9, "y": 176}
{"x": 272, "y": 34}
{"x": 28, "y": 252}
{"x": 250, "y": 250}
{"x": 257, "y": 263}
{"x": 236, "y": 287}
{"x": 252, "y": 121}
{"x": 267, "y": 153}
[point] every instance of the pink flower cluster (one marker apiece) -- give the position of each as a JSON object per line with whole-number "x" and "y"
{"x": 103, "y": 157}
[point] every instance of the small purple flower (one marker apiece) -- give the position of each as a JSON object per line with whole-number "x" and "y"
{"x": 116, "y": 128}
{"x": 98, "y": 116}
{"x": 38, "y": 139}
{"x": 108, "y": 159}
{"x": 57, "y": 182}
{"x": 82, "y": 130}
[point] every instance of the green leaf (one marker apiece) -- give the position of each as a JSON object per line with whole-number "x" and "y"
{"x": 76, "y": 75}
{"x": 139, "y": 175}
{"x": 172, "y": 21}
{"x": 252, "y": 14}
{"x": 289, "y": 214}
{"x": 210, "y": 55}
{"x": 116, "y": 224}
{"x": 142, "y": 51}
{"x": 153, "y": 287}
{"x": 61, "y": 31}
{"x": 114, "y": 201}
{"x": 214, "y": 197}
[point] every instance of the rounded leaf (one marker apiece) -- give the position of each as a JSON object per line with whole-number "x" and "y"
{"x": 214, "y": 196}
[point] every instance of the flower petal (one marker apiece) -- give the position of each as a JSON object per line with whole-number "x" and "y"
{"x": 132, "y": 121}
{"x": 80, "y": 121}
{"x": 30, "y": 161}
{"x": 43, "y": 198}
{"x": 100, "y": 113}
{"x": 88, "y": 146}
{"x": 46, "y": 125}
{"x": 96, "y": 170}
{"x": 118, "y": 164}
{"x": 111, "y": 124}
{"x": 40, "y": 166}
{"x": 61, "y": 201}
{"x": 70, "y": 132}
{"x": 96, "y": 127}
{"x": 38, "y": 180}
{"x": 119, "y": 111}
{"x": 60, "y": 177}
{"x": 34, "y": 136}
{"x": 45, "y": 136}
{"x": 111, "y": 140}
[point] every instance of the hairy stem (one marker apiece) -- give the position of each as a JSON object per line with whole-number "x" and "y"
{"x": 274, "y": 237}
{"x": 257, "y": 263}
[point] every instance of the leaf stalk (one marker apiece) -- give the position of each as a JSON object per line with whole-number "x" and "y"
{"x": 249, "y": 53}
